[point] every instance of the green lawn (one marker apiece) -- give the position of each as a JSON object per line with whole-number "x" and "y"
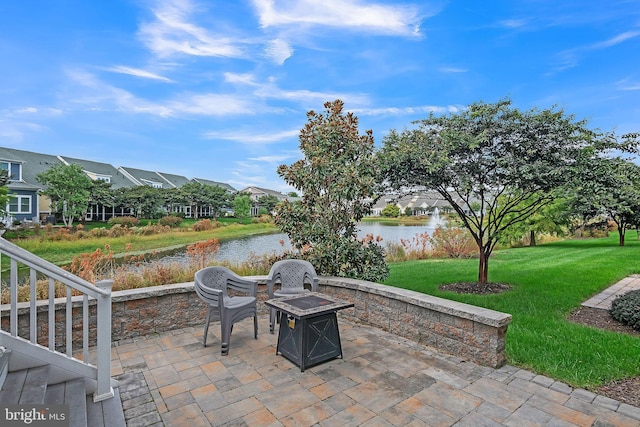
{"x": 548, "y": 282}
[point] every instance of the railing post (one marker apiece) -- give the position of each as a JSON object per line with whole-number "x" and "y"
{"x": 103, "y": 324}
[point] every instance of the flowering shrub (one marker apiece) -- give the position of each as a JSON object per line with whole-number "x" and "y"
{"x": 453, "y": 242}
{"x": 201, "y": 252}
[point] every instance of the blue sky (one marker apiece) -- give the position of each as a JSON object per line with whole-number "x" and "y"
{"x": 220, "y": 89}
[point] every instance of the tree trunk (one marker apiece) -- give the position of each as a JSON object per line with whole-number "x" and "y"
{"x": 621, "y": 235}
{"x": 532, "y": 238}
{"x": 483, "y": 267}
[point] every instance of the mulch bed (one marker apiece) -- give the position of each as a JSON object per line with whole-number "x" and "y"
{"x": 475, "y": 288}
{"x": 626, "y": 390}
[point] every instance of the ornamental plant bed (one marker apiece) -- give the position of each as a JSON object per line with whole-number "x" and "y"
{"x": 626, "y": 390}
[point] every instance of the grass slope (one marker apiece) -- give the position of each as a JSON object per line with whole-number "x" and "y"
{"x": 548, "y": 282}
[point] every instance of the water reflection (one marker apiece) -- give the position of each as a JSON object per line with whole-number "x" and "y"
{"x": 238, "y": 250}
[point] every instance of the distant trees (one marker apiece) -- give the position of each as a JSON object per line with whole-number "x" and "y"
{"x": 501, "y": 164}
{"x": 610, "y": 188}
{"x": 336, "y": 178}
{"x": 200, "y": 196}
{"x": 69, "y": 189}
{"x": 391, "y": 210}
{"x": 242, "y": 206}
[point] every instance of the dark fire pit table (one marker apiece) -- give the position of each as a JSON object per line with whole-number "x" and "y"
{"x": 308, "y": 333}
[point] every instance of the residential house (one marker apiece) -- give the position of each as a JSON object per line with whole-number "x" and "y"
{"x": 26, "y": 202}
{"x": 98, "y": 171}
{"x": 255, "y": 193}
{"x": 419, "y": 203}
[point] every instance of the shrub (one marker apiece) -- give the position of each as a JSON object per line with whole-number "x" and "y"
{"x": 170, "y": 220}
{"x": 453, "y": 242}
{"x": 150, "y": 229}
{"x": 118, "y": 230}
{"x": 99, "y": 232}
{"x": 205, "y": 224}
{"x": 626, "y": 309}
{"x": 125, "y": 221}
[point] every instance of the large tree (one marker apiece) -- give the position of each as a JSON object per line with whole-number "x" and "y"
{"x": 69, "y": 189}
{"x": 199, "y": 196}
{"x": 336, "y": 178}
{"x": 145, "y": 201}
{"x": 494, "y": 164}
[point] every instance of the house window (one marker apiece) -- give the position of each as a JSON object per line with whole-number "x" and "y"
{"x": 153, "y": 184}
{"x": 20, "y": 204}
{"x": 12, "y": 169}
{"x": 103, "y": 178}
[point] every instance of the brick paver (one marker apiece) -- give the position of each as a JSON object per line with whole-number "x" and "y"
{"x": 172, "y": 380}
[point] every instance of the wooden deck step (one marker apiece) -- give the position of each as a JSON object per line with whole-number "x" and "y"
{"x": 25, "y": 386}
{"x": 30, "y": 386}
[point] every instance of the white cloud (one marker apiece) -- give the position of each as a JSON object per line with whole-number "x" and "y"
{"x": 452, "y": 70}
{"x": 213, "y": 105}
{"x": 403, "y": 111}
{"x": 376, "y": 18}
{"x": 245, "y": 79}
{"x": 278, "y": 51}
{"x": 271, "y": 159}
{"x": 253, "y": 138}
{"x": 101, "y": 96}
{"x": 616, "y": 40}
{"x": 513, "y": 23}
{"x": 571, "y": 58}
{"x": 310, "y": 97}
{"x": 137, "y": 72}
{"x": 173, "y": 32}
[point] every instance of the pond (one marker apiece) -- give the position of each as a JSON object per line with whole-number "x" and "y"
{"x": 238, "y": 250}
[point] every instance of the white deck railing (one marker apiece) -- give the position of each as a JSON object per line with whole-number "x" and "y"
{"x": 40, "y": 270}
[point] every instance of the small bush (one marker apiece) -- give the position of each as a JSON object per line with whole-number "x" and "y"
{"x": 626, "y": 309}
{"x": 99, "y": 232}
{"x": 149, "y": 230}
{"x": 118, "y": 230}
{"x": 125, "y": 221}
{"x": 170, "y": 220}
{"x": 205, "y": 224}
{"x": 453, "y": 242}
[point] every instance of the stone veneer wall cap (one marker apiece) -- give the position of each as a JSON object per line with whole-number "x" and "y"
{"x": 460, "y": 309}
{"x": 152, "y": 291}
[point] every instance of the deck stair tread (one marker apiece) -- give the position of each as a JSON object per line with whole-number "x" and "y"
{"x": 30, "y": 386}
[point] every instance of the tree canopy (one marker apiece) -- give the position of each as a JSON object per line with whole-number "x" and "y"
{"x": 69, "y": 189}
{"x": 494, "y": 164}
{"x": 336, "y": 177}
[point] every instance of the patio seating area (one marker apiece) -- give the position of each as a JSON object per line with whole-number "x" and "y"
{"x": 383, "y": 380}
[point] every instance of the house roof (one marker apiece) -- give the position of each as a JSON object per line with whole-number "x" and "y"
{"x": 263, "y": 191}
{"x": 144, "y": 177}
{"x": 175, "y": 180}
{"x": 95, "y": 169}
{"x": 215, "y": 184}
{"x": 36, "y": 163}
{"x": 32, "y": 165}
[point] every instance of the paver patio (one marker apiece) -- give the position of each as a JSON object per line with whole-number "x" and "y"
{"x": 383, "y": 380}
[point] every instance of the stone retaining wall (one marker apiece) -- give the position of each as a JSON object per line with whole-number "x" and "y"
{"x": 463, "y": 330}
